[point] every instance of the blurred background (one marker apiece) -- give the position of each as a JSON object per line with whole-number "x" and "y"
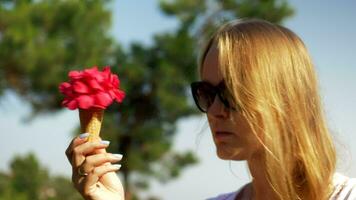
{"x": 153, "y": 46}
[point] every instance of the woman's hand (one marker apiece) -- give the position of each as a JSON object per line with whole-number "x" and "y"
{"x": 93, "y": 174}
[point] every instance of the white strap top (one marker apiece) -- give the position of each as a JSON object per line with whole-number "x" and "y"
{"x": 345, "y": 189}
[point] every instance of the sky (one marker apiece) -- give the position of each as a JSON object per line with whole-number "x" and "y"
{"x": 328, "y": 28}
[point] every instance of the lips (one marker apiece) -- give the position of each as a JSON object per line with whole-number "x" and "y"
{"x": 222, "y": 135}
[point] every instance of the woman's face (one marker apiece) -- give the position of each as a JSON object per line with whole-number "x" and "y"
{"x": 232, "y": 136}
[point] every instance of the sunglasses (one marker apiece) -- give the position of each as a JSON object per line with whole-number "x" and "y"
{"x": 204, "y": 95}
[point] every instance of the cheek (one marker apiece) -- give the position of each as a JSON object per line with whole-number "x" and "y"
{"x": 248, "y": 140}
{"x": 243, "y": 145}
{"x": 244, "y": 131}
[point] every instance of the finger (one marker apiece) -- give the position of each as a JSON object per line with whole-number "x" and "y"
{"x": 82, "y": 150}
{"x": 80, "y": 139}
{"x": 93, "y": 177}
{"x": 99, "y": 159}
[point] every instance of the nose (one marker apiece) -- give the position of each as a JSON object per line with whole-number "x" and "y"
{"x": 217, "y": 109}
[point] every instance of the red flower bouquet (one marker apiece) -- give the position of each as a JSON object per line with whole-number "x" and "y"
{"x": 92, "y": 91}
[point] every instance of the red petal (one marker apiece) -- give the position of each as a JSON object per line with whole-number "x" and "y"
{"x": 100, "y": 107}
{"x": 80, "y": 87}
{"x": 66, "y": 89}
{"x": 93, "y": 83}
{"x": 72, "y": 105}
{"x": 106, "y": 72}
{"x": 65, "y": 102}
{"x": 91, "y": 72}
{"x": 107, "y": 69}
{"x": 75, "y": 74}
{"x": 85, "y": 101}
{"x": 119, "y": 95}
{"x": 112, "y": 94}
{"x": 63, "y": 87}
{"x": 115, "y": 81}
{"x": 100, "y": 78}
{"x": 102, "y": 99}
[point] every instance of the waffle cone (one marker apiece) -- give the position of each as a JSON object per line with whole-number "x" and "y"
{"x": 90, "y": 122}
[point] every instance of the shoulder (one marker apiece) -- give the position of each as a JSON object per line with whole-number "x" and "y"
{"x": 230, "y": 195}
{"x": 345, "y": 188}
{"x": 225, "y": 196}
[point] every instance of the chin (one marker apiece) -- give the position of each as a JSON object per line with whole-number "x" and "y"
{"x": 226, "y": 154}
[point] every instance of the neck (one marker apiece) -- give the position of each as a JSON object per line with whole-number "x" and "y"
{"x": 260, "y": 185}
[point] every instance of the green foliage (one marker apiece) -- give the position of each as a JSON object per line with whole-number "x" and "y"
{"x": 27, "y": 176}
{"x": 41, "y": 40}
{"x": 272, "y": 10}
{"x": 201, "y": 18}
{"x": 61, "y": 188}
{"x": 28, "y": 180}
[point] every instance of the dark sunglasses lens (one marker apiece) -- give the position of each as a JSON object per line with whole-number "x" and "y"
{"x": 226, "y": 97}
{"x": 203, "y": 95}
{"x": 228, "y": 101}
{"x": 224, "y": 100}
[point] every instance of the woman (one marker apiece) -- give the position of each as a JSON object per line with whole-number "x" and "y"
{"x": 260, "y": 93}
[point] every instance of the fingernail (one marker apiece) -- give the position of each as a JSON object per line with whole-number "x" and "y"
{"x": 118, "y": 156}
{"x": 105, "y": 142}
{"x": 83, "y": 135}
{"x": 118, "y": 166}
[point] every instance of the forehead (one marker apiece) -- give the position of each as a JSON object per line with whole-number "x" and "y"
{"x": 210, "y": 71}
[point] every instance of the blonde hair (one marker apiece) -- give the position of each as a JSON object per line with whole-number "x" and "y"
{"x": 269, "y": 72}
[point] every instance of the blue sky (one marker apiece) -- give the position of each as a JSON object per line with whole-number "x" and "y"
{"x": 328, "y": 29}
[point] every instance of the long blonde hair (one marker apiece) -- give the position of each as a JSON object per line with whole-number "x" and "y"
{"x": 269, "y": 72}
